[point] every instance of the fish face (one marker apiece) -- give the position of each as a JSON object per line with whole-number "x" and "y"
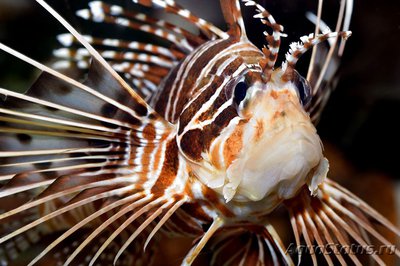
{"x": 280, "y": 151}
{"x": 266, "y": 149}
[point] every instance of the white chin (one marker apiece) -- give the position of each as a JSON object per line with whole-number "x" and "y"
{"x": 277, "y": 166}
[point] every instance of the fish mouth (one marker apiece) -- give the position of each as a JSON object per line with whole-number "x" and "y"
{"x": 277, "y": 166}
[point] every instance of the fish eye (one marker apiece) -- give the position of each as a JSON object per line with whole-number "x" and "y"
{"x": 303, "y": 89}
{"x": 240, "y": 91}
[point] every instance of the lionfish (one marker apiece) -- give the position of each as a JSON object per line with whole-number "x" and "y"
{"x": 200, "y": 134}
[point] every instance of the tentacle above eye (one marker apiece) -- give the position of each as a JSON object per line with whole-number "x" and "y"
{"x": 274, "y": 40}
{"x": 297, "y": 50}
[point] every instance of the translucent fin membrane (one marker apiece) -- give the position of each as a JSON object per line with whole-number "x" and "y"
{"x": 330, "y": 218}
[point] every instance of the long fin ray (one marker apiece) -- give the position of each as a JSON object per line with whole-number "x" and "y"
{"x": 77, "y": 226}
{"x": 146, "y": 201}
{"x": 63, "y": 210}
{"x": 146, "y": 223}
{"x": 46, "y": 196}
{"x": 68, "y": 80}
{"x": 353, "y": 234}
{"x": 169, "y": 213}
{"x": 334, "y": 204}
{"x": 172, "y": 7}
{"x": 233, "y": 18}
{"x": 117, "y": 15}
{"x": 68, "y": 40}
{"x": 139, "y": 102}
{"x": 194, "y": 252}
{"x": 356, "y": 201}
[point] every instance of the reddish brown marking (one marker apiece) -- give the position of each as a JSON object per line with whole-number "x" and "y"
{"x": 188, "y": 88}
{"x": 189, "y": 112}
{"x": 259, "y": 130}
{"x": 169, "y": 170}
{"x": 231, "y": 14}
{"x": 274, "y": 94}
{"x": 215, "y": 156}
{"x": 272, "y": 42}
{"x": 141, "y": 47}
{"x": 149, "y": 132}
{"x": 192, "y": 144}
{"x": 307, "y": 45}
{"x": 194, "y": 208}
{"x": 276, "y": 27}
{"x": 234, "y": 144}
{"x": 213, "y": 130}
{"x": 214, "y": 199}
{"x": 153, "y": 78}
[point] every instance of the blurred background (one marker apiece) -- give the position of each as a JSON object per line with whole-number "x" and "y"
{"x": 360, "y": 125}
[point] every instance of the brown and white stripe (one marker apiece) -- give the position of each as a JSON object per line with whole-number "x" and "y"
{"x": 96, "y": 158}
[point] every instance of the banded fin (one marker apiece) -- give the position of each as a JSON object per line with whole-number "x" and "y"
{"x": 324, "y": 61}
{"x": 135, "y": 255}
{"x": 100, "y": 12}
{"x": 335, "y": 218}
{"x": 121, "y": 163}
{"x": 170, "y": 6}
{"x": 83, "y": 150}
{"x": 14, "y": 249}
{"x": 125, "y": 55}
{"x": 233, "y": 18}
{"x": 247, "y": 246}
{"x": 145, "y": 72}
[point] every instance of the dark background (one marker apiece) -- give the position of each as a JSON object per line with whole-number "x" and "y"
{"x": 362, "y": 116}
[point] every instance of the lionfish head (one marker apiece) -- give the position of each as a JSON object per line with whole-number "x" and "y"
{"x": 270, "y": 148}
{"x": 259, "y": 143}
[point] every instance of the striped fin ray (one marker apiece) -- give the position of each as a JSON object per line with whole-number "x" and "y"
{"x": 115, "y": 57}
{"x": 122, "y": 52}
{"x": 170, "y": 6}
{"x": 233, "y": 18}
{"x": 130, "y": 202}
{"x": 139, "y": 66}
{"x": 189, "y": 41}
{"x": 325, "y": 59}
{"x": 115, "y": 15}
{"x": 250, "y": 246}
{"x": 274, "y": 39}
{"x": 66, "y": 248}
{"x": 25, "y": 138}
{"x": 68, "y": 40}
{"x": 333, "y": 217}
{"x": 145, "y": 72}
{"x": 53, "y": 210}
{"x": 83, "y": 150}
{"x": 109, "y": 93}
{"x": 132, "y": 207}
{"x": 298, "y": 49}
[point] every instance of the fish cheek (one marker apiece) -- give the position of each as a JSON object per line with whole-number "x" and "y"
{"x": 233, "y": 145}
{"x": 191, "y": 144}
